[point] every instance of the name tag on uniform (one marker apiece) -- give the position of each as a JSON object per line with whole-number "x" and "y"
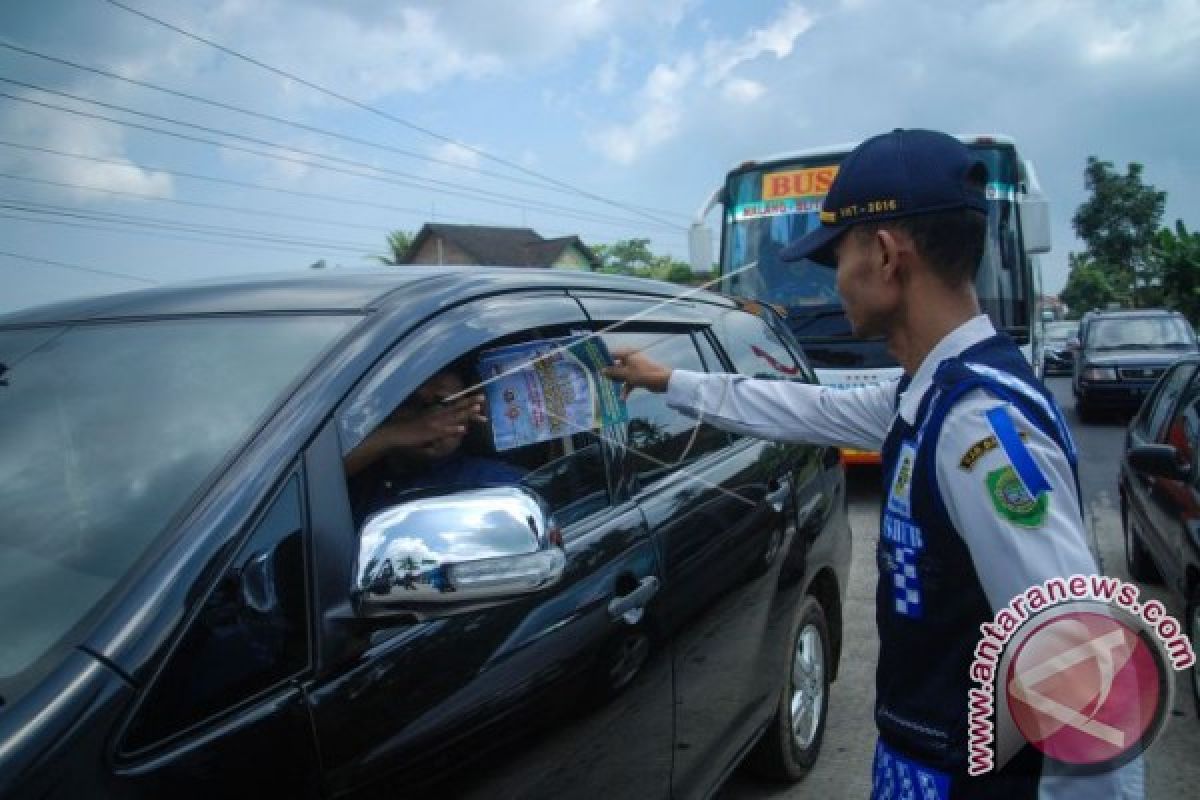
{"x": 898, "y": 495}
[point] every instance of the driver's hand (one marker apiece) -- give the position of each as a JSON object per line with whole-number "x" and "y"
{"x": 437, "y": 422}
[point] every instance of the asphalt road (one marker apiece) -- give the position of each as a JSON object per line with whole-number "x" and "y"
{"x": 1173, "y": 762}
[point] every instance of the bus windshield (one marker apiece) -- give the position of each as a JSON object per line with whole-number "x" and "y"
{"x": 769, "y": 206}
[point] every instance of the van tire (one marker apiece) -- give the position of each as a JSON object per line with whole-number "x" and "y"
{"x": 791, "y": 743}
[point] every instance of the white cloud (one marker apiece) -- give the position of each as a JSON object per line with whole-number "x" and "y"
{"x": 776, "y": 38}
{"x": 373, "y": 48}
{"x": 460, "y": 155}
{"x": 54, "y": 130}
{"x": 660, "y": 111}
{"x": 608, "y": 75}
{"x": 742, "y": 90}
{"x": 662, "y": 104}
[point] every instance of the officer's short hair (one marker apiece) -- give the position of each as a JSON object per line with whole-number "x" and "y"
{"x": 950, "y": 242}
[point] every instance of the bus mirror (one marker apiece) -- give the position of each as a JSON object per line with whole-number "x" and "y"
{"x": 1035, "y": 223}
{"x": 700, "y": 248}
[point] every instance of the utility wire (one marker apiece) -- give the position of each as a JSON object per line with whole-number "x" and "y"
{"x": 298, "y": 125}
{"x": 384, "y": 114}
{"x": 151, "y": 224}
{"x": 191, "y": 203}
{"x": 420, "y": 212}
{"x": 13, "y": 204}
{"x": 160, "y": 234}
{"x": 406, "y": 179}
{"x": 80, "y": 267}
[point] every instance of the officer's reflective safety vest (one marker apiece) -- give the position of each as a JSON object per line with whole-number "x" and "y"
{"x": 929, "y": 602}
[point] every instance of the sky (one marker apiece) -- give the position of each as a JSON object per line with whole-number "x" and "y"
{"x": 609, "y": 119}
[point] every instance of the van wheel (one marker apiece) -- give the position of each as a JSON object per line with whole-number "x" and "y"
{"x": 789, "y": 747}
{"x": 1141, "y": 568}
{"x": 1084, "y": 411}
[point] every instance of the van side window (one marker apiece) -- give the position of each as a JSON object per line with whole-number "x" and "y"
{"x": 660, "y": 440}
{"x": 569, "y": 472}
{"x": 250, "y": 635}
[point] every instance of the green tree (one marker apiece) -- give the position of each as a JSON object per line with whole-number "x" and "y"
{"x": 398, "y": 243}
{"x": 625, "y": 256}
{"x": 680, "y": 273}
{"x": 1119, "y": 223}
{"x": 1089, "y": 285}
{"x": 1177, "y": 255}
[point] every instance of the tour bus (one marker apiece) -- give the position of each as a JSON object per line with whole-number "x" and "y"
{"x": 772, "y": 202}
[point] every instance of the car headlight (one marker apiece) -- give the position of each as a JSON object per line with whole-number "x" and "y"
{"x": 1100, "y": 374}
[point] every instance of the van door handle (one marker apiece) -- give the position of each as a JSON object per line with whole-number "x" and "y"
{"x": 630, "y": 606}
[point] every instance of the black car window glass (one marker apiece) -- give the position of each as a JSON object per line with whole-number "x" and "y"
{"x": 1183, "y": 432}
{"x": 1058, "y": 333}
{"x": 755, "y": 349}
{"x": 251, "y": 633}
{"x": 661, "y": 440}
{"x": 107, "y": 432}
{"x": 1162, "y": 404}
{"x": 569, "y": 472}
{"x": 1139, "y": 333}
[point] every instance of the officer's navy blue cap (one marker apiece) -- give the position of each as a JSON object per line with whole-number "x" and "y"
{"x": 893, "y": 175}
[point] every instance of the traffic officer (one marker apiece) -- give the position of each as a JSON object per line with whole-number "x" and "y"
{"x": 982, "y": 498}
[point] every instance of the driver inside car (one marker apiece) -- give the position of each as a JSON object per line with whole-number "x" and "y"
{"x": 419, "y": 446}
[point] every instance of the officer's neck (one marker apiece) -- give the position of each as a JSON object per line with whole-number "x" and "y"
{"x": 931, "y": 313}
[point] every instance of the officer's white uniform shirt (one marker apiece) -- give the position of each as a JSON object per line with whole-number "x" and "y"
{"x": 1008, "y": 558}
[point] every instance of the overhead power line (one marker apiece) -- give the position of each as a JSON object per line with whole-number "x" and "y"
{"x": 383, "y": 114}
{"x": 303, "y": 126}
{"x": 79, "y": 267}
{"x": 157, "y": 223}
{"x": 41, "y": 220}
{"x": 405, "y": 179}
{"x": 191, "y": 203}
{"x": 329, "y": 198}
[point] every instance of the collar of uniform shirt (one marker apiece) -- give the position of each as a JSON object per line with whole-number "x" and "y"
{"x": 970, "y": 332}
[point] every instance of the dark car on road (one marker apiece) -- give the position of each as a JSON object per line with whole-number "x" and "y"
{"x": 1058, "y": 356}
{"x": 1121, "y": 355}
{"x": 1160, "y": 491}
{"x": 193, "y": 604}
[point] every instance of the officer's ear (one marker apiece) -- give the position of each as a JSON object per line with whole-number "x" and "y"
{"x": 890, "y": 244}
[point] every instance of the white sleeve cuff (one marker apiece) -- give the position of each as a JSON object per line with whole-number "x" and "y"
{"x": 683, "y": 389}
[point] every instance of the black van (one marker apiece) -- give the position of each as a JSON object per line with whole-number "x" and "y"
{"x": 190, "y": 605}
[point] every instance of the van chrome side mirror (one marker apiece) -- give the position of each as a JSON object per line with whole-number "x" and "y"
{"x": 434, "y": 553}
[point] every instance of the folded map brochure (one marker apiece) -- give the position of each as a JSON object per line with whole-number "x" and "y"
{"x": 549, "y": 388}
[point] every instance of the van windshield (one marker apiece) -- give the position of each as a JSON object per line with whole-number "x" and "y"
{"x": 107, "y": 433}
{"x": 1140, "y": 333}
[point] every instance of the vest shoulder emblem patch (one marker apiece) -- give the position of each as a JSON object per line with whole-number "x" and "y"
{"x": 1012, "y": 500}
{"x": 980, "y": 449}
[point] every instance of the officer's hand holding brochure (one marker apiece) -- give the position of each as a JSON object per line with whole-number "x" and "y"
{"x": 549, "y": 388}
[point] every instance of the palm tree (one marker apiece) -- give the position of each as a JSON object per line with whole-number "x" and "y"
{"x": 398, "y": 243}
